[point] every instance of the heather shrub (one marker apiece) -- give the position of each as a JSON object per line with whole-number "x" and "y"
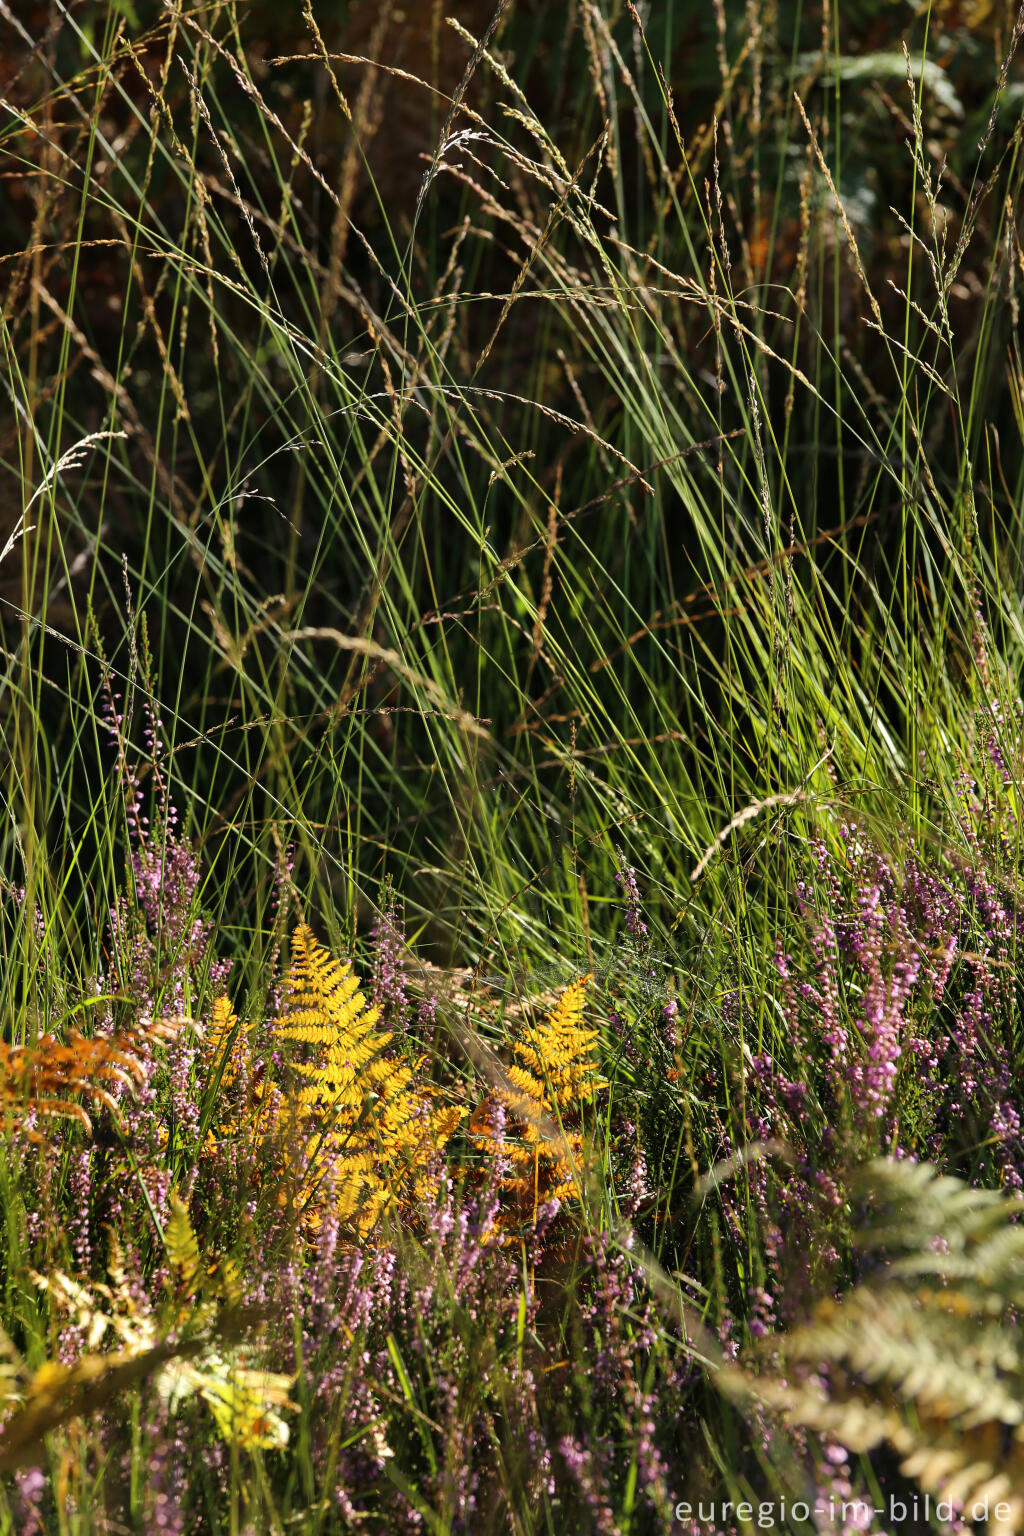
{"x": 435, "y": 1314}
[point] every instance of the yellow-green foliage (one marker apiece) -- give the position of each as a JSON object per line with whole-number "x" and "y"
{"x": 243, "y": 1092}
{"x": 926, "y": 1354}
{"x": 554, "y": 1077}
{"x": 370, "y": 1130}
{"x": 185, "y": 1344}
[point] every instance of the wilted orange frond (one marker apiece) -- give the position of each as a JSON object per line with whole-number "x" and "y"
{"x": 481, "y": 1123}
{"x": 55, "y": 1079}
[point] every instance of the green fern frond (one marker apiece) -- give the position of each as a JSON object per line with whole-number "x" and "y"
{"x": 925, "y": 1355}
{"x": 182, "y": 1245}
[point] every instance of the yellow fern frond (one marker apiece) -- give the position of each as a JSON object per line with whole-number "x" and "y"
{"x": 546, "y": 1089}
{"x": 222, "y": 1048}
{"x": 369, "y": 1128}
{"x": 227, "y": 1059}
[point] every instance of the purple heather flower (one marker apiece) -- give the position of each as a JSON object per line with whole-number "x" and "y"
{"x": 30, "y": 1486}
{"x": 388, "y": 985}
{"x": 626, "y": 881}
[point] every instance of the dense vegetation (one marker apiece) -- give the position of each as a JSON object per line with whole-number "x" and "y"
{"x": 512, "y": 764}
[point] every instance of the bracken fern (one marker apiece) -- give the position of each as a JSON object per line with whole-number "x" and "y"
{"x": 923, "y": 1354}
{"x": 369, "y": 1130}
{"x": 545, "y": 1093}
{"x": 51, "y": 1080}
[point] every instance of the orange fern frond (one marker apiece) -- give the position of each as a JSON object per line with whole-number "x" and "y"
{"x": 55, "y": 1079}
{"x": 545, "y": 1092}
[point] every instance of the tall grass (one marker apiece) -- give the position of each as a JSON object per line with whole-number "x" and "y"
{"x": 619, "y": 476}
